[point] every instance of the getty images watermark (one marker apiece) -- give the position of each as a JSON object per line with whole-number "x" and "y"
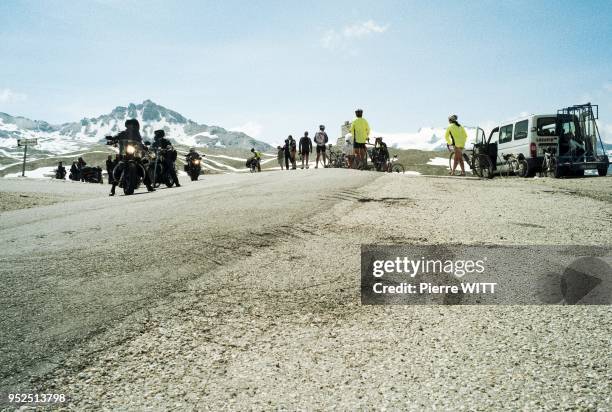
{"x": 490, "y": 275}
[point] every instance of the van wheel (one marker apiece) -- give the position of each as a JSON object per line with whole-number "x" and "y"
{"x": 602, "y": 171}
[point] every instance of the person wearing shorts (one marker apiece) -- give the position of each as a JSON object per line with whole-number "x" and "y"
{"x": 360, "y": 130}
{"x": 321, "y": 141}
{"x": 456, "y": 136}
{"x": 305, "y": 148}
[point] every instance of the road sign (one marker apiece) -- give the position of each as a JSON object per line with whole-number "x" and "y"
{"x": 27, "y": 142}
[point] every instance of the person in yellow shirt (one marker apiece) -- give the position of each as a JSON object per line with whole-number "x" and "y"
{"x": 360, "y": 130}
{"x": 456, "y": 136}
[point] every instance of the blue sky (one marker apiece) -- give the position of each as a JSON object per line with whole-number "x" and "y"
{"x": 279, "y": 67}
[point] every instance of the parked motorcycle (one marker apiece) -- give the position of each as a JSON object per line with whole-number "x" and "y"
{"x": 252, "y": 164}
{"x": 91, "y": 174}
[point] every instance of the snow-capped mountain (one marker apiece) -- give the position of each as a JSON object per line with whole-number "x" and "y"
{"x": 70, "y": 137}
{"x": 426, "y": 138}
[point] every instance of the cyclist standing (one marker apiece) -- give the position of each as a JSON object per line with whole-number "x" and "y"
{"x": 321, "y": 140}
{"x": 360, "y": 130}
{"x": 456, "y": 136}
{"x": 305, "y": 148}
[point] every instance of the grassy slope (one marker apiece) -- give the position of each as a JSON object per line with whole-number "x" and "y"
{"x": 416, "y": 160}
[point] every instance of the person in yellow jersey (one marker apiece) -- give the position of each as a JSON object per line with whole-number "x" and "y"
{"x": 360, "y": 130}
{"x": 456, "y": 136}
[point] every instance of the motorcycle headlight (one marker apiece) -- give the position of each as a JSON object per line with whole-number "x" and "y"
{"x": 196, "y": 162}
{"x": 130, "y": 149}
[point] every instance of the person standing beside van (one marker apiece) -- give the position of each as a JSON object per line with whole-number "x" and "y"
{"x": 456, "y": 136}
{"x": 360, "y": 130}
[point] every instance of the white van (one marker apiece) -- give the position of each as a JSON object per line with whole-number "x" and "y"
{"x": 572, "y": 133}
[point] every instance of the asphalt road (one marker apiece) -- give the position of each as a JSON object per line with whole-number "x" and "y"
{"x": 73, "y": 269}
{"x": 242, "y": 292}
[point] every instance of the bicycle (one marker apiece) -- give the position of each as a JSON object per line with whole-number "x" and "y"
{"x": 362, "y": 164}
{"x": 394, "y": 166}
{"x": 549, "y": 164}
{"x": 336, "y": 159}
{"x": 478, "y": 162}
{"x": 515, "y": 165}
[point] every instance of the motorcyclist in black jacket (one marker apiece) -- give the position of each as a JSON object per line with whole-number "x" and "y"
{"x": 193, "y": 154}
{"x": 74, "y": 172}
{"x": 160, "y": 142}
{"x": 131, "y": 133}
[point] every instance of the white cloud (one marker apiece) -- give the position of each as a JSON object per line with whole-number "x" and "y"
{"x": 250, "y": 128}
{"x": 334, "y": 40}
{"x": 363, "y": 29}
{"x": 9, "y": 96}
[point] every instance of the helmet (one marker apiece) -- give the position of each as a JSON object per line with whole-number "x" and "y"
{"x": 452, "y": 118}
{"x": 305, "y": 133}
{"x": 252, "y": 149}
{"x": 191, "y": 149}
{"x": 378, "y": 139}
{"x": 132, "y": 122}
{"x": 159, "y": 133}
{"x": 359, "y": 112}
{"x": 322, "y": 127}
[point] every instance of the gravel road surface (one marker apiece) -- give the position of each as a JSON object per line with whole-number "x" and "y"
{"x": 242, "y": 292}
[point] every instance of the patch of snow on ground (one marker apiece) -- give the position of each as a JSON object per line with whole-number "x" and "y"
{"x": 40, "y": 173}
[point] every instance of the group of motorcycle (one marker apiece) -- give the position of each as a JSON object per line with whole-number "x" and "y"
{"x": 152, "y": 166}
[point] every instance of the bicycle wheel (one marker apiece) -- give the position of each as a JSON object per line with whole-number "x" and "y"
{"x": 484, "y": 167}
{"x": 331, "y": 160}
{"x": 397, "y": 168}
{"x": 555, "y": 169}
{"x": 523, "y": 168}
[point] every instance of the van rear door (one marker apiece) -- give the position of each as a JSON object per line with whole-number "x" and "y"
{"x": 546, "y": 133}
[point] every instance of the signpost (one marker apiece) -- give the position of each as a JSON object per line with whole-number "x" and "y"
{"x": 25, "y": 143}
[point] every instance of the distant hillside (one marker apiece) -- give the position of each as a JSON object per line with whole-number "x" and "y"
{"x": 82, "y": 135}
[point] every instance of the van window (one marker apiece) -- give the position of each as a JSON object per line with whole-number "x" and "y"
{"x": 520, "y": 130}
{"x": 547, "y": 126}
{"x": 505, "y": 134}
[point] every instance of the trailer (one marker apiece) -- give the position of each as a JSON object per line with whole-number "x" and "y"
{"x": 579, "y": 146}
